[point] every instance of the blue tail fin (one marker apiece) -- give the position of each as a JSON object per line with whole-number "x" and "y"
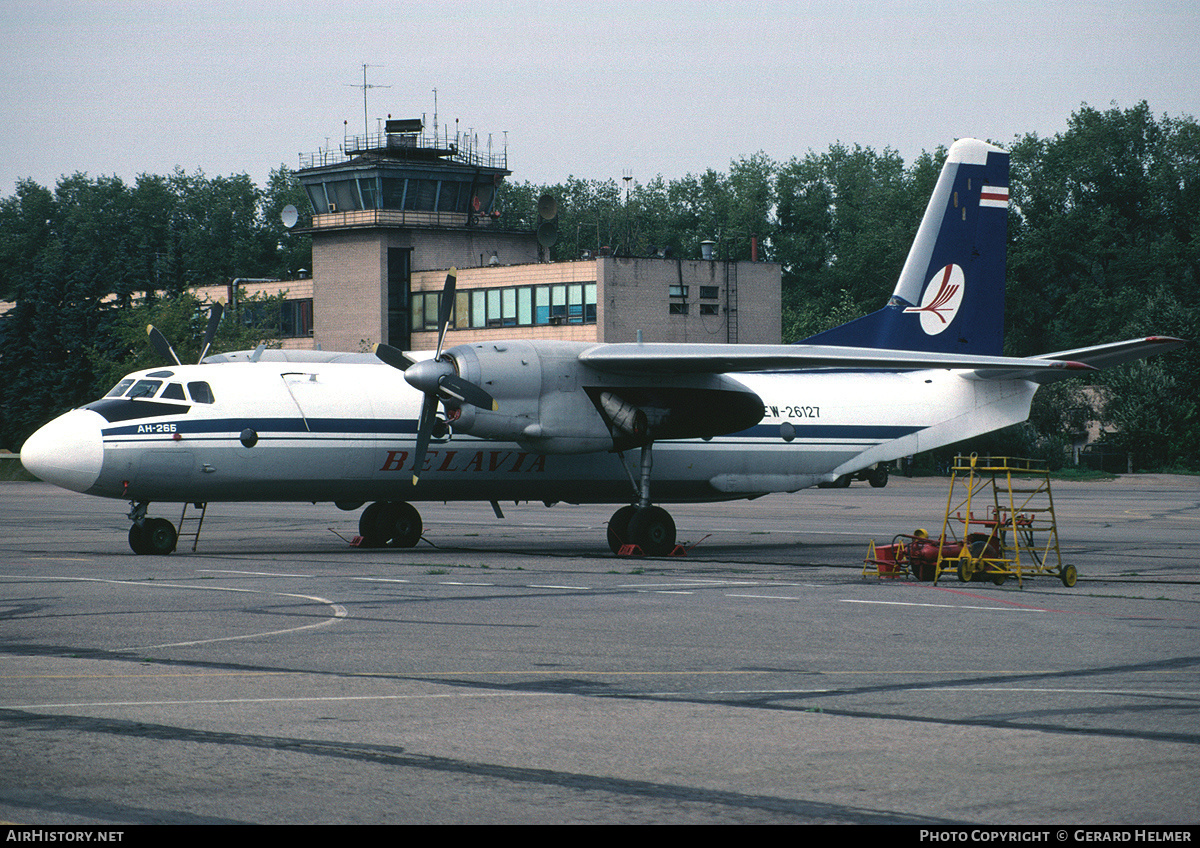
{"x": 950, "y": 296}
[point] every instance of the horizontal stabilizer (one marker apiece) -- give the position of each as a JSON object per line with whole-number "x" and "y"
{"x": 721, "y": 359}
{"x": 1097, "y": 356}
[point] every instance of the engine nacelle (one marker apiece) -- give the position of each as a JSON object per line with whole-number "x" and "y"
{"x": 549, "y": 402}
{"x": 536, "y": 388}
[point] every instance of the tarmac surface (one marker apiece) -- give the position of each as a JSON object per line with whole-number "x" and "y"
{"x": 515, "y": 671}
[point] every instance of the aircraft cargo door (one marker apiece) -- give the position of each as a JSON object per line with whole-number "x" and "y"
{"x": 338, "y": 426}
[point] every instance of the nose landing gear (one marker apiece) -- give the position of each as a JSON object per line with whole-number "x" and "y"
{"x": 155, "y": 536}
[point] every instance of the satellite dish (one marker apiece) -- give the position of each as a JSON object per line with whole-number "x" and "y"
{"x": 547, "y": 206}
{"x": 547, "y": 234}
{"x": 289, "y": 215}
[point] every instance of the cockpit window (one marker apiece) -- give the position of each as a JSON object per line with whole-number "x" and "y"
{"x": 120, "y": 388}
{"x": 200, "y": 392}
{"x": 144, "y": 389}
{"x": 173, "y": 391}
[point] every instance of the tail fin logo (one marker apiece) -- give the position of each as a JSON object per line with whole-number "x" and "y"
{"x": 940, "y": 302}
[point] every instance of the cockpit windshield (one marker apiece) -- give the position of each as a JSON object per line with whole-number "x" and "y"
{"x": 120, "y": 388}
{"x": 144, "y": 389}
{"x": 131, "y": 388}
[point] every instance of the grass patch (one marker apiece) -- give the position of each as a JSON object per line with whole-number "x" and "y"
{"x": 11, "y": 470}
{"x": 1083, "y": 475}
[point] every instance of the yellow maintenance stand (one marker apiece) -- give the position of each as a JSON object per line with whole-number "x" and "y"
{"x": 1006, "y": 513}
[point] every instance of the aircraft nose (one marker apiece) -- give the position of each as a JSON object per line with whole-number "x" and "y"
{"x": 68, "y": 451}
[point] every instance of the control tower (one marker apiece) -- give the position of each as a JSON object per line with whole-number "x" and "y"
{"x": 391, "y": 203}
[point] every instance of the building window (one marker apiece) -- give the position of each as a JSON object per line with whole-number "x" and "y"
{"x": 678, "y": 308}
{"x": 511, "y": 306}
{"x": 679, "y": 291}
{"x": 710, "y": 292}
{"x": 425, "y": 311}
{"x": 296, "y": 318}
{"x": 710, "y": 309}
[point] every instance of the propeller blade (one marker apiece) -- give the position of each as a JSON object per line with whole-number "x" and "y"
{"x": 424, "y": 430}
{"x": 160, "y": 344}
{"x": 210, "y": 332}
{"x": 394, "y": 357}
{"x": 445, "y": 308}
{"x": 467, "y": 392}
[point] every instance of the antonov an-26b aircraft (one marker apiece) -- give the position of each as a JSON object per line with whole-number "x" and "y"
{"x": 558, "y": 421}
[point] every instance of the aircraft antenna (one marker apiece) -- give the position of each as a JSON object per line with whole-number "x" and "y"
{"x": 364, "y": 87}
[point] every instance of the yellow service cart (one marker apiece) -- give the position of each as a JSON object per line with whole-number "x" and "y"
{"x": 1005, "y": 510}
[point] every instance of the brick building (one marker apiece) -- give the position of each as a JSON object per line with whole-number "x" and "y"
{"x": 393, "y": 211}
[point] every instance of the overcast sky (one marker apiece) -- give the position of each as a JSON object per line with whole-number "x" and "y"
{"x": 593, "y": 89}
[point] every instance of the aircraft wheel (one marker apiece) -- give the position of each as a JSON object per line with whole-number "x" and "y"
{"x": 393, "y": 523}
{"x": 160, "y": 536}
{"x": 878, "y": 477}
{"x": 653, "y": 530}
{"x": 618, "y": 527}
{"x": 371, "y": 526}
{"x": 404, "y": 525}
{"x": 137, "y": 539}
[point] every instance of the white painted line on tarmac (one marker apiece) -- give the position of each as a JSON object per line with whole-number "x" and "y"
{"x": 296, "y": 700}
{"x": 247, "y": 573}
{"x": 942, "y": 606}
{"x": 339, "y": 611}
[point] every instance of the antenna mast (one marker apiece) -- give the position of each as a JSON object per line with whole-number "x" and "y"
{"x": 364, "y": 87}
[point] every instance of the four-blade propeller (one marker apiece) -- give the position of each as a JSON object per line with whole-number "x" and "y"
{"x": 435, "y": 378}
{"x": 163, "y": 347}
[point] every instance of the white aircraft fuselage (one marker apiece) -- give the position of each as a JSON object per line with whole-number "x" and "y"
{"x": 346, "y": 432}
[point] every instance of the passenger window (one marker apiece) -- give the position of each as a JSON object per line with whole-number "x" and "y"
{"x": 200, "y": 392}
{"x": 120, "y": 388}
{"x": 174, "y": 391}
{"x": 144, "y": 389}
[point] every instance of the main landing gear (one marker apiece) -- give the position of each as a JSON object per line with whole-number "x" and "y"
{"x": 396, "y": 524}
{"x": 150, "y": 535}
{"x": 649, "y": 527}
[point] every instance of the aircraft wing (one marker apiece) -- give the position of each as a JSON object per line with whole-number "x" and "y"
{"x": 1095, "y": 357}
{"x": 721, "y": 358}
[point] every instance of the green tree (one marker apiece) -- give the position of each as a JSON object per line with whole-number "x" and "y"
{"x": 1104, "y": 245}
{"x": 845, "y": 221}
{"x": 182, "y": 319}
{"x": 74, "y": 257}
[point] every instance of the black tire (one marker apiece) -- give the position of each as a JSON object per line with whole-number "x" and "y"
{"x": 404, "y": 525}
{"x": 842, "y": 482}
{"x": 160, "y": 536}
{"x": 372, "y": 526}
{"x": 653, "y": 530}
{"x": 137, "y": 539}
{"x": 878, "y": 476}
{"x": 618, "y": 527}
{"x": 393, "y": 523}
